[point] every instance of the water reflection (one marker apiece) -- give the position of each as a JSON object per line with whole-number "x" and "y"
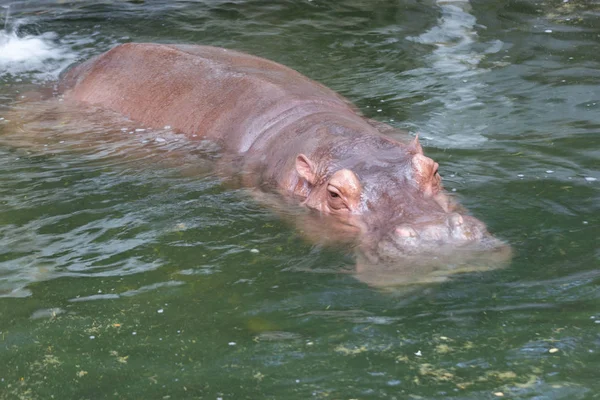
{"x": 453, "y": 74}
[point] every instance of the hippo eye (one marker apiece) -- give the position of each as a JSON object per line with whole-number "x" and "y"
{"x": 334, "y": 193}
{"x": 335, "y": 198}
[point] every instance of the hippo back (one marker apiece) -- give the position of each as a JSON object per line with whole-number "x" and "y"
{"x": 202, "y": 91}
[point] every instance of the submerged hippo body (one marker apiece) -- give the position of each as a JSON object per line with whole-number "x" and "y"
{"x": 289, "y": 133}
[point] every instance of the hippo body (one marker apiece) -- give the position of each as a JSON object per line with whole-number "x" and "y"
{"x": 290, "y": 134}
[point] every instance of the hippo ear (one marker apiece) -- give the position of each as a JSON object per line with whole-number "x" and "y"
{"x": 415, "y": 146}
{"x": 306, "y": 169}
{"x": 425, "y": 170}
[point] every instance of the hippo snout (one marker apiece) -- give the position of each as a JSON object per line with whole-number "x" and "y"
{"x": 441, "y": 239}
{"x": 430, "y": 249}
{"x": 449, "y": 229}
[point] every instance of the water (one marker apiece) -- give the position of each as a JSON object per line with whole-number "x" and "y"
{"x": 128, "y": 270}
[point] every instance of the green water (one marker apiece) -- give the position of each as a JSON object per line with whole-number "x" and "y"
{"x": 146, "y": 277}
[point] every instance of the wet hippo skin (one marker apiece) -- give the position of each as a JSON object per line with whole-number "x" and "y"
{"x": 291, "y": 135}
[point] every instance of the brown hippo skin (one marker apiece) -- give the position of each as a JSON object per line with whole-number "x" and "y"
{"x": 290, "y": 134}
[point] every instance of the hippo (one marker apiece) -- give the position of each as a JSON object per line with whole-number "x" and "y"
{"x": 288, "y": 134}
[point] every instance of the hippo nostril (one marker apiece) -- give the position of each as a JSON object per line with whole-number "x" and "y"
{"x": 456, "y": 220}
{"x": 406, "y": 231}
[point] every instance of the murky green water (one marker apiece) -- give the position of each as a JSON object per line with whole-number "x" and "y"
{"x": 145, "y": 276}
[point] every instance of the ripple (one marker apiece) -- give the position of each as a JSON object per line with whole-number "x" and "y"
{"x": 128, "y": 293}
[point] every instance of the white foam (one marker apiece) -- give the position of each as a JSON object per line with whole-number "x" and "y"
{"x": 41, "y": 57}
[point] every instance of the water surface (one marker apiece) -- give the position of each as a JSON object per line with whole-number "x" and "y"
{"x": 128, "y": 270}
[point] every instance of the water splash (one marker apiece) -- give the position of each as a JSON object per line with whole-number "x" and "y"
{"x": 7, "y": 7}
{"x": 31, "y": 57}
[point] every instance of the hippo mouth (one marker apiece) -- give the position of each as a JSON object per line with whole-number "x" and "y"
{"x": 392, "y": 266}
{"x": 401, "y": 248}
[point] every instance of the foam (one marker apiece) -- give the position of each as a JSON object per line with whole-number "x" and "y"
{"x": 37, "y": 57}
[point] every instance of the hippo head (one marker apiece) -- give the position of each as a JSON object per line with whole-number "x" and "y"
{"x": 391, "y": 193}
